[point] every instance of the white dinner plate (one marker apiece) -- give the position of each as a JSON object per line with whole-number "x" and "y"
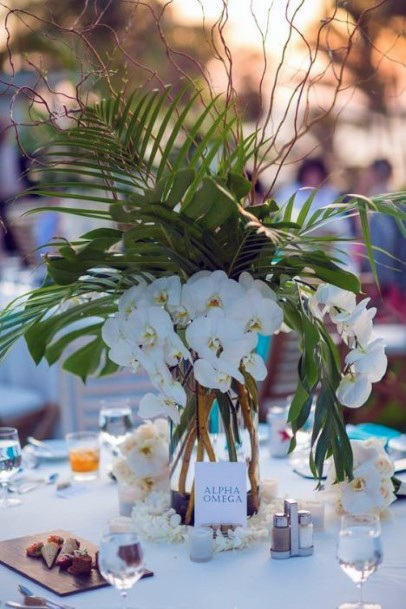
{"x": 58, "y": 447}
{"x": 398, "y": 443}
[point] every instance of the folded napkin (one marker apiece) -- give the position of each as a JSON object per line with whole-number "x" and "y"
{"x": 364, "y": 431}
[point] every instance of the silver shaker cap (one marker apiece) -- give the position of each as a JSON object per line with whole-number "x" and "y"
{"x": 280, "y": 520}
{"x": 305, "y": 517}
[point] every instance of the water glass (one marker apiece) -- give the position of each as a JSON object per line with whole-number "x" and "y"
{"x": 359, "y": 552}
{"x": 115, "y": 423}
{"x": 84, "y": 454}
{"x": 10, "y": 461}
{"x": 121, "y": 561}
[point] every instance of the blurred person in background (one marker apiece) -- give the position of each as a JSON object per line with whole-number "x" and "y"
{"x": 390, "y": 242}
{"x": 312, "y": 175}
{"x": 12, "y": 183}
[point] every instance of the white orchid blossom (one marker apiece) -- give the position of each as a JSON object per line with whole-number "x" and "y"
{"x": 371, "y": 489}
{"x": 207, "y": 292}
{"x": 162, "y": 380}
{"x": 333, "y": 297}
{"x": 257, "y": 314}
{"x": 149, "y": 326}
{"x": 370, "y": 361}
{"x": 175, "y": 351}
{"x": 362, "y": 494}
{"x": 122, "y": 351}
{"x": 248, "y": 282}
{"x": 366, "y": 362}
{"x": 114, "y": 330}
{"x": 218, "y": 377}
{"x": 255, "y": 366}
{"x": 166, "y": 291}
{"x": 214, "y": 334}
{"x": 354, "y": 390}
{"x": 152, "y": 405}
{"x": 133, "y": 298}
{"x": 357, "y": 324}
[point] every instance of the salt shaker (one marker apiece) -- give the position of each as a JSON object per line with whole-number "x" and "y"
{"x": 305, "y": 533}
{"x": 280, "y": 536}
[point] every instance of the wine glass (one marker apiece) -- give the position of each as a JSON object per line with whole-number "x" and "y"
{"x": 10, "y": 461}
{"x": 115, "y": 423}
{"x": 121, "y": 560}
{"x": 359, "y": 552}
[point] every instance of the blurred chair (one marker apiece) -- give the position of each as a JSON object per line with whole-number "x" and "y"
{"x": 80, "y": 402}
{"x": 387, "y": 404}
{"x": 282, "y": 378}
{"x": 28, "y": 395}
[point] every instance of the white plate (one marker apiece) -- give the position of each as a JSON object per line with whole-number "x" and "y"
{"x": 58, "y": 447}
{"x": 398, "y": 443}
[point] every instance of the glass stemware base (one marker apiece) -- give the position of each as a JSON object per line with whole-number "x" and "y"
{"x": 7, "y": 502}
{"x": 359, "y": 605}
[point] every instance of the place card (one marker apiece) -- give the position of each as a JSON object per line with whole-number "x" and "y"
{"x": 220, "y": 493}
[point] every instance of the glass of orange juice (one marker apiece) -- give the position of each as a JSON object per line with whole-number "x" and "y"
{"x": 84, "y": 454}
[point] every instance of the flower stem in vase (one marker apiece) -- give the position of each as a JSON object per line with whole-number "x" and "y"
{"x": 246, "y": 410}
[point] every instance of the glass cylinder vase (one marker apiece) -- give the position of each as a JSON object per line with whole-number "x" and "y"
{"x": 214, "y": 427}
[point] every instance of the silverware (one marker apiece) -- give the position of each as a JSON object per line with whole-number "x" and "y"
{"x": 49, "y": 603}
{"x": 30, "y": 485}
{"x": 399, "y": 465}
{"x": 41, "y": 445}
{"x": 20, "y": 606}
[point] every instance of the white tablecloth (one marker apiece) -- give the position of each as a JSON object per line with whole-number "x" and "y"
{"x": 244, "y": 579}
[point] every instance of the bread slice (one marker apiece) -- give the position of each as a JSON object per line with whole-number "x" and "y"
{"x": 69, "y": 545}
{"x": 49, "y": 552}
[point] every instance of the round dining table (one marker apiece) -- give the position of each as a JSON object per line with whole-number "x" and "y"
{"x": 236, "y": 579}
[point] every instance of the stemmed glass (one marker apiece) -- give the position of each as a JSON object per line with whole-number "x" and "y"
{"x": 115, "y": 422}
{"x": 10, "y": 461}
{"x": 121, "y": 561}
{"x": 359, "y": 552}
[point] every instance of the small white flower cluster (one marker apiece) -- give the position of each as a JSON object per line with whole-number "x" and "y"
{"x": 220, "y": 319}
{"x": 156, "y": 521}
{"x": 371, "y": 489}
{"x": 366, "y": 362}
{"x": 143, "y": 461}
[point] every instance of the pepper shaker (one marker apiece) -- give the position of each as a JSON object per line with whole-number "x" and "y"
{"x": 280, "y": 536}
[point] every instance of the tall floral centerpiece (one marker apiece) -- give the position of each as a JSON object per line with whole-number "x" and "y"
{"x": 188, "y": 275}
{"x": 197, "y": 342}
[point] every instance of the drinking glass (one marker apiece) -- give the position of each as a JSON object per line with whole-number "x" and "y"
{"x": 359, "y": 552}
{"x": 10, "y": 461}
{"x": 121, "y": 560}
{"x": 115, "y": 423}
{"x": 84, "y": 454}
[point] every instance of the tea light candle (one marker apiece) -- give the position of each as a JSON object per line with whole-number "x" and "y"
{"x": 127, "y": 496}
{"x": 316, "y": 509}
{"x": 120, "y": 524}
{"x": 200, "y": 544}
{"x": 269, "y": 489}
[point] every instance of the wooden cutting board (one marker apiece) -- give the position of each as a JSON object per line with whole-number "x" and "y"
{"x": 13, "y": 555}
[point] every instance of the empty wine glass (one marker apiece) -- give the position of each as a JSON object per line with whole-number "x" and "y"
{"x": 121, "y": 560}
{"x": 115, "y": 422}
{"x": 10, "y": 461}
{"x": 359, "y": 552}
